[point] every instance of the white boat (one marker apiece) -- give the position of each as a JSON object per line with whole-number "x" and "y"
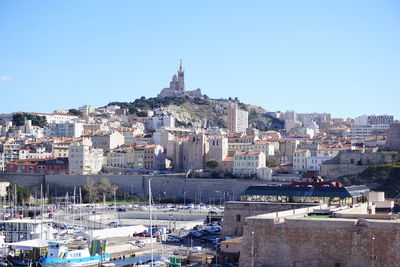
{"x": 58, "y": 255}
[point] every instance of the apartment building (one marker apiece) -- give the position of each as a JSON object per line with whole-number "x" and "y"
{"x": 300, "y": 160}
{"x": 237, "y": 119}
{"x": 117, "y": 158}
{"x": 57, "y": 117}
{"x": 10, "y": 150}
{"x": 67, "y": 129}
{"x": 44, "y": 166}
{"x": 84, "y": 159}
{"x": 60, "y": 149}
{"x": 154, "y": 158}
{"x": 246, "y": 163}
{"x": 107, "y": 141}
{"x": 34, "y": 152}
{"x": 135, "y": 157}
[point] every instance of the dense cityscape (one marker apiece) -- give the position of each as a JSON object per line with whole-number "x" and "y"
{"x": 218, "y": 184}
{"x": 199, "y": 133}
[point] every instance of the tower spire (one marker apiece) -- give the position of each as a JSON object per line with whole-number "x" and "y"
{"x": 181, "y": 65}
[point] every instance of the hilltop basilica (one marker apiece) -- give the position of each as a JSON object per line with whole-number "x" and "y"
{"x": 177, "y": 86}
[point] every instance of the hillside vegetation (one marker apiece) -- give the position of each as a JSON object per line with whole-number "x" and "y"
{"x": 201, "y": 112}
{"x": 384, "y": 178}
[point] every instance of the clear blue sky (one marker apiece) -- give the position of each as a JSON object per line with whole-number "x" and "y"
{"x": 341, "y": 57}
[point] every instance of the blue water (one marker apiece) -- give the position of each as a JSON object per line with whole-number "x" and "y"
{"x": 135, "y": 260}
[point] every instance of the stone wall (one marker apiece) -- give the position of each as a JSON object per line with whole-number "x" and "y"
{"x": 235, "y": 213}
{"x": 337, "y": 170}
{"x": 354, "y": 162}
{"x": 205, "y": 190}
{"x": 299, "y": 241}
{"x": 393, "y": 139}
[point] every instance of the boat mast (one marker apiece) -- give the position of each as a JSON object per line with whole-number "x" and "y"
{"x": 80, "y": 207}
{"x": 151, "y": 224}
{"x": 41, "y": 227}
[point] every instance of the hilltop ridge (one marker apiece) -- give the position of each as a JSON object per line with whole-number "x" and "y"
{"x": 200, "y": 112}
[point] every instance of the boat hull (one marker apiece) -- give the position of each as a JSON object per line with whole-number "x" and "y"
{"x": 76, "y": 262}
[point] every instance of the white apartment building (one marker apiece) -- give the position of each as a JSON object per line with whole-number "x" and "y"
{"x": 155, "y": 123}
{"x": 84, "y": 159}
{"x": 10, "y": 149}
{"x": 245, "y": 164}
{"x": 86, "y": 109}
{"x": 27, "y": 229}
{"x": 373, "y": 119}
{"x": 238, "y": 119}
{"x": 368, "y": 125}
{"x": 314, "y": 162}
{"x": 57, "y": 117}
{"x": 68, "y": 129}
{"x": 300, "y": 160}
{"x": 169, "y": 121}
{"x": 130, "y": 134}
{"x": 34, "y": 153}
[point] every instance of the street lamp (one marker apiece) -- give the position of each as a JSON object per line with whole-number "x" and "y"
{"x": 252, "y": 249}
{"x": 373, "y": 257}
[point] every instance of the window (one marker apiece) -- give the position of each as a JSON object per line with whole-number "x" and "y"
{"x": 238, "y": 217}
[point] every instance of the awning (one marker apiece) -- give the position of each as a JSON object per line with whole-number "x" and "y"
{"x": 29, "y": 244}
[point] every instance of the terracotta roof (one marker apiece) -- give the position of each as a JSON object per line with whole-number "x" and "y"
{"x": 247, "y": 152}
{"x": 228, "y": 159}
{"x": 237, "y": 240}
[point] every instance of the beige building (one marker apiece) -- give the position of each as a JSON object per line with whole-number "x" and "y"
{"x": 117, "y": 159}
{"x": 353, "y": 237}
{"x": 217, "y": 148}
{"x": 108, "y": 141}
{"x": 237, "y": 119}
{"x": 194, "y": 151}
{"x": 286, "y": 150}
{"x": 135, "y": 157}
{"x": 246, "y": 163}
{"x": 154, "y": 158}
{"x": 258, "y": 146}
{"x": 60, "y": 149}
{"x": 84, "y": 159}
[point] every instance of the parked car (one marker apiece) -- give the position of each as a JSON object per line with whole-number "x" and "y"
{"x": 139, "y": 234}
{"x": 139, "y": 243}
{"x": 173, "y": 239}
{"x": 198, "y": 227}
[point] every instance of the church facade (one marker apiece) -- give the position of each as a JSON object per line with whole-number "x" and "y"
{"x": 177, "y": 86}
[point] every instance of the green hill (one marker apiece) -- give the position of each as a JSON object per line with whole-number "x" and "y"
{"x": 201, "y": 112}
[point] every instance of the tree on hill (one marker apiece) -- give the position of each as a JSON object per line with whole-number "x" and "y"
{"x": 18, "y": 119}
{"x": 212, "y": 164}
{"x": 75, "y": 112}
